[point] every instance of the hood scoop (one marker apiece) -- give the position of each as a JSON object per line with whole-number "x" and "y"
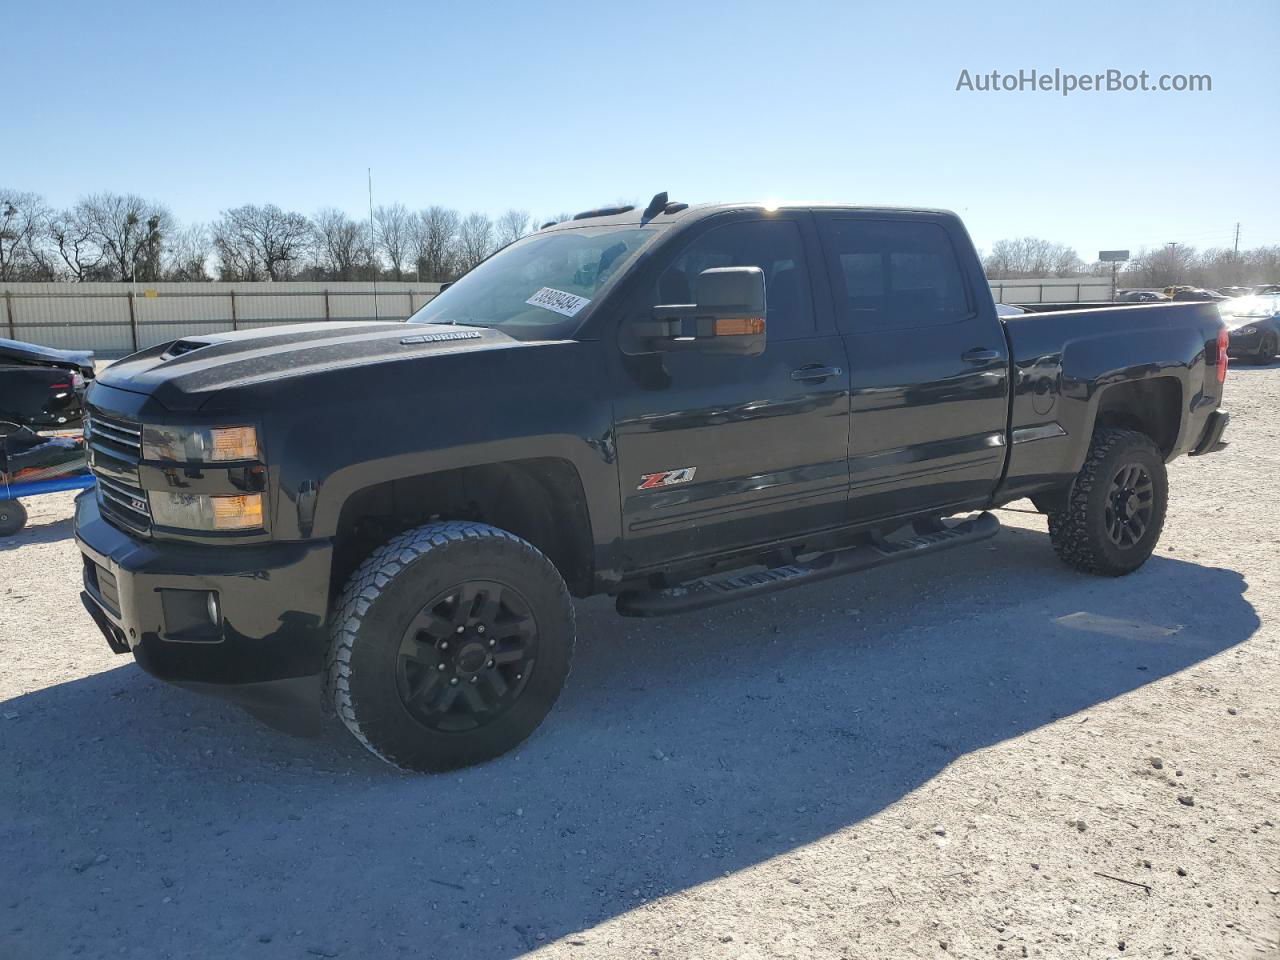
{"x": 179, "y": 347}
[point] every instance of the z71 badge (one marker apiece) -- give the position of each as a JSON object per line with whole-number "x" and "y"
{"x": 668, "y": 478}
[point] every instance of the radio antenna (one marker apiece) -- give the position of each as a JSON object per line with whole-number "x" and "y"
{"x": 373, "y": 241}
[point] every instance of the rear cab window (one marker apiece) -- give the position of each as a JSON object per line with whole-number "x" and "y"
{"x": 893, "y": 274}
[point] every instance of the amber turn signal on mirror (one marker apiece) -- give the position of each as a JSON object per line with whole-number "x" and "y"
{"x": 739, "y": 326}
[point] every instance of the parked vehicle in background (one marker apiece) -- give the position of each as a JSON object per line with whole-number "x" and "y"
{"x": 1267, "y": 289}
{"x": 1253, "y": 325}
{"x": 1235, "y": 291}
{"x": 1141, "y": 296}
{"x": 677, "y": 407}
{"x": 1197, "y": 294}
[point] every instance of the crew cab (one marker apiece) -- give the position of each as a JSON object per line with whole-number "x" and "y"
{"x": 676, "y": 406}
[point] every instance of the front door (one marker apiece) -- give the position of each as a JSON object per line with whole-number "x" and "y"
{"x": 716, "y": 452}
{"x": 930, "y": 368}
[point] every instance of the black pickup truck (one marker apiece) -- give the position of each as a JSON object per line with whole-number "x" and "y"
{"x": 677, "y": 406}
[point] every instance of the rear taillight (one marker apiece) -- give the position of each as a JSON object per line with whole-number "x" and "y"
{"x": 1223, "y": 342}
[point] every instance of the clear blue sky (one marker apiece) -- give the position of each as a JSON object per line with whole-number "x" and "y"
{"x": 564, "y": 106}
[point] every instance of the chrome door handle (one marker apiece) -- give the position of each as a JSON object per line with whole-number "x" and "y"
{"x": 815, "y": 373}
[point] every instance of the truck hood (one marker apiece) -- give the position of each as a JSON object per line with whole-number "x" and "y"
{"x": 185, "y": 373}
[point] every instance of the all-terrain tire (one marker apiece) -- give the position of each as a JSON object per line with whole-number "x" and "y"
{"x": 13, "y": 517}
{"x": 1079, "y": 531}
{"x": 376, "y": 620}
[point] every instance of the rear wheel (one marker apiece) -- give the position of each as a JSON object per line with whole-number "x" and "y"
{"x": 1113, "y": 515}
{"x": 449, "y": 646}
{"x": 13, "y": 517}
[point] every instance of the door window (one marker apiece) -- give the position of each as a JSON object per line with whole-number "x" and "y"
{"x": 775, "y": 246}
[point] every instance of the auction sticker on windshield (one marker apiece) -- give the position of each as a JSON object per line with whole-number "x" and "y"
{"x": 557, "y": 301}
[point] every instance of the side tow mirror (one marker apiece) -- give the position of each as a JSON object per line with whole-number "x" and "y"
{"x": 728, "y": 318}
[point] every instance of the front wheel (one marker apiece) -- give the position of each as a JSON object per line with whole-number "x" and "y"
{"x": 1267, "y": 353}
{"x": 449, "y": 645}
{"x": 1115, "y": 510}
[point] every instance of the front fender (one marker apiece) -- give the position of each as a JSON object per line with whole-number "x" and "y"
{"x": 331, "y": 435}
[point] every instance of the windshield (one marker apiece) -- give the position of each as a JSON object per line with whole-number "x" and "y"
{"x": 1251, "y": 307}
{"x": 539, "y": 283}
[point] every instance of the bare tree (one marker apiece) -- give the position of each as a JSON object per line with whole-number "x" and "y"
{"x": 1031, "y": 257}
{"x": 394, "y": 233}
{"x": 342, "y": 246}
{"x": 1218, "y": 266}
{"x": 128, "y": 230}
{"x": 435, "y": 238}
{"x": 1262, "y": 264}
{"x": 1161, "y": 267}
{"x": 24, "y": 226}
{"x": 187, "y": 254}
{"x": 475, "y": 240}
{"x": 511, "y": 226}
{"x": 71, "y": 236}
{"x": 259, "y": 242}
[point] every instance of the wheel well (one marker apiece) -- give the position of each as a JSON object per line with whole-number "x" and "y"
{"x": 539, "y": 500}
{"x": 1153, "y": 407}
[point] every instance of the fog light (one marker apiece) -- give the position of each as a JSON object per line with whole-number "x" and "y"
{"x": 187, "y": 614}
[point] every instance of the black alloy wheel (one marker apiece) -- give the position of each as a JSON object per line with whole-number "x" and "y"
{"x": 1130, "y": 501}
{"x": 467, "y": 655}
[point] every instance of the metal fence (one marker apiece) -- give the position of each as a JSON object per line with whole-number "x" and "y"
{"x": 118, "y": 318}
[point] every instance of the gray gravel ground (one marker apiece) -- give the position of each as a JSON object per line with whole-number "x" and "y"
{"x": 979, "y": 754}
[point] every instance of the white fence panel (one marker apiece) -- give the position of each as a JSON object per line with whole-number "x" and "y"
{"x": 1052, "y": 290}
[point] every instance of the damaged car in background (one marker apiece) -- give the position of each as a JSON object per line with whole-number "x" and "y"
{"x": 41, "y": 411}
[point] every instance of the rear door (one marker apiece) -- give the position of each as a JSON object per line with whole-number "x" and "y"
{"x": 929, "y": 368}
{"x": 717, "y": 452}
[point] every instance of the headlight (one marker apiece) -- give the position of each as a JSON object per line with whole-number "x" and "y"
{"x": 1245, "y": 331}
{"x": 190, "y": 511}
{"x": 199, "y": 444}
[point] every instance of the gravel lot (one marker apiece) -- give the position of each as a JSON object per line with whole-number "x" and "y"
{"x": 979, "y": 754}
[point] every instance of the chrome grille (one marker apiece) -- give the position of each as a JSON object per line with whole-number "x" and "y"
{"x": 115, "y": 447}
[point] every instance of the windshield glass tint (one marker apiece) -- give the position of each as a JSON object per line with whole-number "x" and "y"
{"x": 540, "y": 281}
